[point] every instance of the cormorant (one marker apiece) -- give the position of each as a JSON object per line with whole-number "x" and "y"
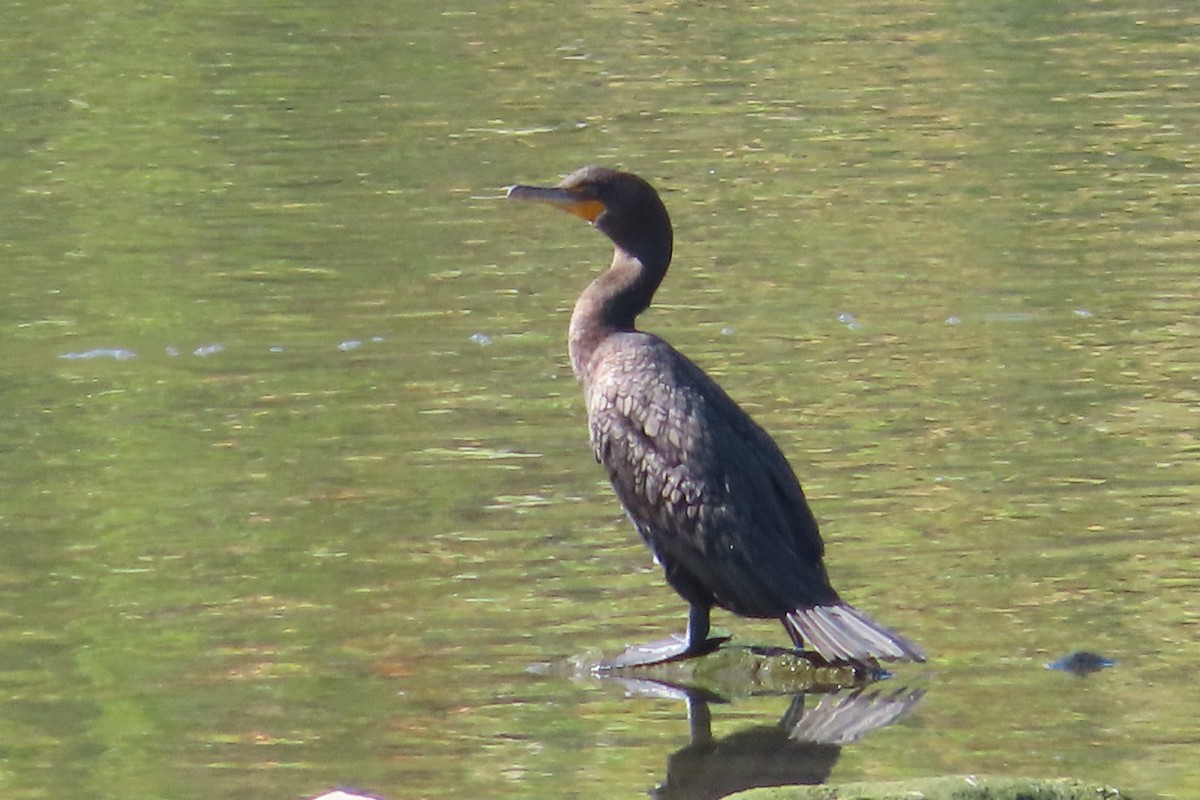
{"x": 708, "y": 490}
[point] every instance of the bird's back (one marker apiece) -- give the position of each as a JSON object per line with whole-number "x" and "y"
{"x": 706, "y": 487}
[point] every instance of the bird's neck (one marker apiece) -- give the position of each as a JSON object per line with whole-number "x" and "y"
{"x": 609, "y": 305}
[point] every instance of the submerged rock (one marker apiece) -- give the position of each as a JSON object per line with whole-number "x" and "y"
{"x": 1081, "y": 662}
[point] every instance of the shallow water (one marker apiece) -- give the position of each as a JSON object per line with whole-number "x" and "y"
{"x": 296, "y": 479}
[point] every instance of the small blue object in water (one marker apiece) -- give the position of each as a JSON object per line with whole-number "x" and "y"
{"x": 350, "y": 344}
{"x": 208, "y": 350}
{"x": 1081, "y": 662}
{"x": 118, "y": 353}
{"x": 481, "y": 338}
{"x": 849, "y": 320}
{"x": 275, "y": 348}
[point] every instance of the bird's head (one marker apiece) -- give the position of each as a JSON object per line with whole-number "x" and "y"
{"x": 621, "y": 205}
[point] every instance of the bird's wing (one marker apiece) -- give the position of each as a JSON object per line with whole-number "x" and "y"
{"x": 707, "y": 488}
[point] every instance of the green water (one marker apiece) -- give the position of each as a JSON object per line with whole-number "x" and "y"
{"x": 334, "y": 497}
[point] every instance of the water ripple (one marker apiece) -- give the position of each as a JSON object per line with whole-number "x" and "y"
{"x": 118, "y": 353}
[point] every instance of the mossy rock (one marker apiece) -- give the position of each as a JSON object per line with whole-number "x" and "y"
{"x": 733, "y": 670}
{"x": 952, "y": 787}
{"x": 728, "y": 671}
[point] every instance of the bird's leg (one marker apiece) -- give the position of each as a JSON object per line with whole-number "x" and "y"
{"x": 697, "y": 630}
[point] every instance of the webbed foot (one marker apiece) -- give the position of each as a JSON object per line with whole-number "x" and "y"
{"x": 673, "y": 648}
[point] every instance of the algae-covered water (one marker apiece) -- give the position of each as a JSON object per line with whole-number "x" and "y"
{"x": 295, "y": 479}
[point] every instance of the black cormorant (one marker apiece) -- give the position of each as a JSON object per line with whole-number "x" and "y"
{"x": 708, "y": 490}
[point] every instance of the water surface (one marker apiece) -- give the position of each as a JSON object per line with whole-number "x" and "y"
{"x": 319, "y": 493}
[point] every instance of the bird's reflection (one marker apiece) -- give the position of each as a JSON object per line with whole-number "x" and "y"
{"x": 801, "y": 749}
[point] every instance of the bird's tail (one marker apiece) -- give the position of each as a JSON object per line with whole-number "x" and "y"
{"x": 841, "y": 634}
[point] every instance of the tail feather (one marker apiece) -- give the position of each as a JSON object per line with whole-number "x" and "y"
{"x": 841, "y": 634}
